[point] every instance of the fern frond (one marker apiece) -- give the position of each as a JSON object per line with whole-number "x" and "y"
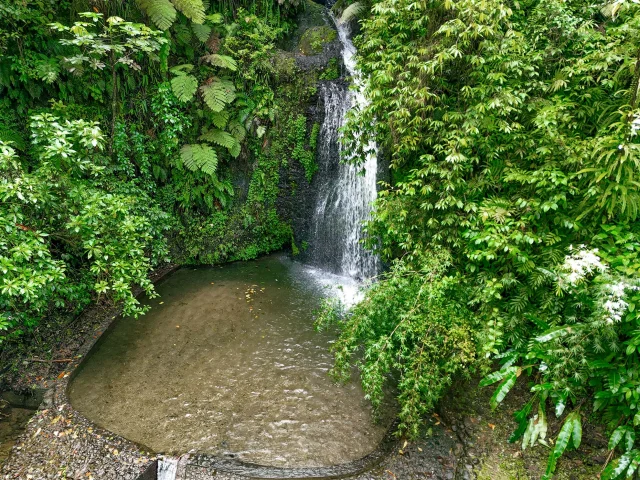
{"x": 222, "y": 61}
{"x": 14, "y": 137}
{"x": 222, "y": 138}
{"x": 218, "y": 93}
{"x": 161, "y": 12}
{"x": 201, "y": 31}
{"x": 220, "y": 119}
{"x": 181, "y": 69}
{"x": 352, "y": 11}
{"x": 235, "y": 150}
{"x": 215, "y": 18}
{"x": 237, "y": 130}
{"x": 192, "y": 9}
{"x": 198, "y": 156}
{"x": 184, "y": 86}
{"x": 182, "y": 34}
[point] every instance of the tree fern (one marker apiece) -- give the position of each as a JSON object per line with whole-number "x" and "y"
{"x": 352, "y": 11}
{"x": 161, "y": 12}
{"x": 199, "y": 156}
{"x": 218, "y": 93}
{"x": 237, "y": 130}
{"x": 220, "y": 119}
{"x": 201, "y": 31}
{"x": 184, "y": 86}
{"x": 192, "y": 9}
{"x": 182, "y": 34}
{"x": 222, "y": 61}
{"x": 222, "y": 138}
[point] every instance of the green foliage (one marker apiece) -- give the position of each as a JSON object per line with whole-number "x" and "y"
{"x": 184, "y": 86}
{"x": 66, "y": 237}
{"x": 222, "y": 61}
{"x": 199, "y": 157}
{"x": 409, "y": 323}
{"x": 163, "y": 12}
{"x": 298, "y": 138}
{"x": 314, "y": 39}
{"x": 511, "y": 129}
{"x": 331, "y": 72}
{"x": 217, "y": 93}
{"x": 353, "y": 11}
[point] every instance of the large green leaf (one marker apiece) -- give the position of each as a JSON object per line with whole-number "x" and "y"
{"x": 352, "y": 11}
{"x": 222, "y": 61}
{"x": 616, "y": 436}
{"x": 577, "y": 430}
{"x": 192, "y": 9}
{"x": 222, "y": 138}
{"x": 562, "y": 441}
{"x": 161, "y": 12}
{"x": 184, "y": 87}
{"x": 220, "y": 119}
{"x": 218, "y": 93}
{"x": 199, "y": 157}
{"x": 554, "y": 333}
{"x": 201, "y": 31}
{"x": 502, "y": 390}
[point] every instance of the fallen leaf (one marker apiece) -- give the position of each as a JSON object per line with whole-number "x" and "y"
{"x": 492, "y": 426}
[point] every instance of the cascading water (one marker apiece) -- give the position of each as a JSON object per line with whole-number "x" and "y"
{"x": 346, "y": 192}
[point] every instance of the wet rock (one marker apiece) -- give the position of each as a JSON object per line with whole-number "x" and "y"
{"x": 314, "y": 39}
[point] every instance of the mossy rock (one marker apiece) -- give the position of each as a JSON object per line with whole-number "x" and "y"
{"x": 314, "y": 39}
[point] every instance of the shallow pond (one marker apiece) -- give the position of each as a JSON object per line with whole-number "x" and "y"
{"x": 227, "y": 362}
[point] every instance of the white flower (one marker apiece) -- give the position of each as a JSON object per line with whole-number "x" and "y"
{"x": 635, "y": 124}
{"x": 614, "y": 305}
{"x": 580, "y": 264}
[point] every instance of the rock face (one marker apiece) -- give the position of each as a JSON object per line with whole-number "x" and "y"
{"x": 314, "y": 40}
{"x": 296, "y": 201}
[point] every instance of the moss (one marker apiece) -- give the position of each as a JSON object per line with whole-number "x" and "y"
{"x": 315, "y": 38}
{"x": 331, "y": 72}
{"x": 284, "y": 66}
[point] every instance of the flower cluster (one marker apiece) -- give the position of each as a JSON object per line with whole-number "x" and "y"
{"x": 578, "y": 265}
{"x": 614, "y": 305}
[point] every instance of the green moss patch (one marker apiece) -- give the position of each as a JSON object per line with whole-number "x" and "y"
{"x": 315, "y": 38}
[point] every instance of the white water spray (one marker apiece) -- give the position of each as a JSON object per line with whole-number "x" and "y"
{"x": 345, "y": 198}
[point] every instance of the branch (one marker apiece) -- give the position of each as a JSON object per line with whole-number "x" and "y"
{"x": 60, "y": 360}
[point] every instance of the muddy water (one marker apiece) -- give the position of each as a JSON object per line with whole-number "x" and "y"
{"x": 227, "y": 362}
{"x": 13, "y": 422}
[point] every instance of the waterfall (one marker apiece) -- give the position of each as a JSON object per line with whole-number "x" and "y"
{"x": 346, "y": 191}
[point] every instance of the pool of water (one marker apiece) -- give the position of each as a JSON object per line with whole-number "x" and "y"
{"x": 227, "y": 362}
